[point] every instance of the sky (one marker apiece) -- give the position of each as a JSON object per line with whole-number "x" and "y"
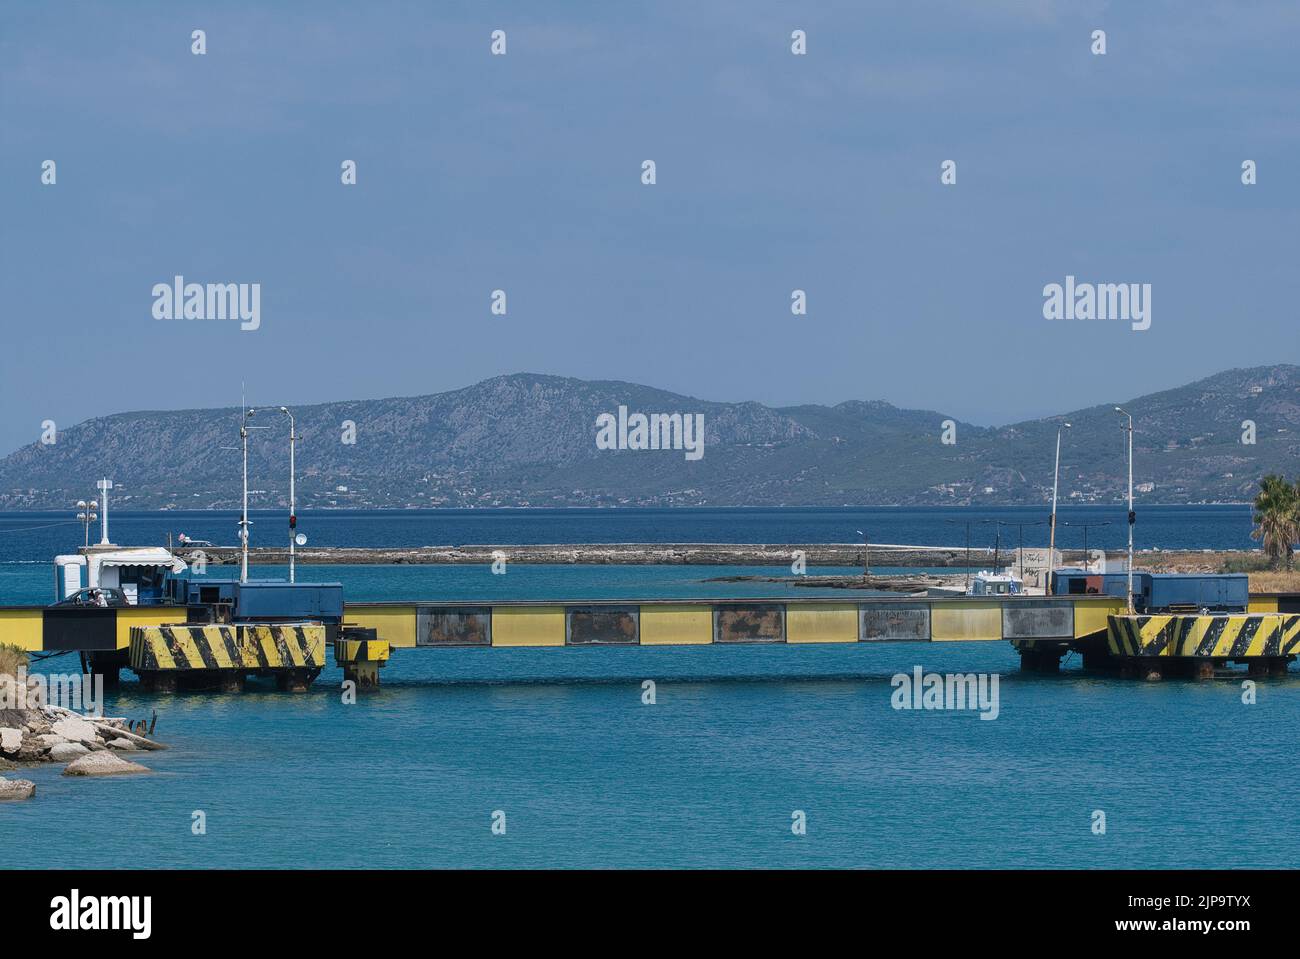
{"x": 522, "y": 172}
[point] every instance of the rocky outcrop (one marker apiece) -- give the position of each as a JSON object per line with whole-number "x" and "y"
{"x": 11, "y": 740}
{"x": 53, "y": 734}
{"x": 103, "y": 763}
{"x": 16, "y": 789}
{"x": 76, "y": 730}
{"x": 67, "y": 752}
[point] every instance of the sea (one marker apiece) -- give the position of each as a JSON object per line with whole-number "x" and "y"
{"x": 673, "y": 756}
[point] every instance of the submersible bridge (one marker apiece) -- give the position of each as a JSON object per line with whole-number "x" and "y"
{"x": 216, "y": 635}
{"x": 183, "y": 631}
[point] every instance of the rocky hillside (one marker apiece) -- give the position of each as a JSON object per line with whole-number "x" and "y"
{"x": 530, "y": 440}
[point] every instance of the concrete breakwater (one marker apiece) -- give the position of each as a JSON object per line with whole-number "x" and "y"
{"x": 701, "y": 554}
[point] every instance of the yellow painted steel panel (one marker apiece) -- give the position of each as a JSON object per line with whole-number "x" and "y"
{"x": 1195, "y": 633}
{"x": 188, "y": 646}
{"x": 676, "y": 625}
{"x": 528, "y": 626}
{"x": 161, "y": 652}
{"x": 314, "y": 642}
{"x": 361, "y": 650}
{"x": 22, "y": 628}
{"x": 1151, "y": 632}
{"x": 1090, "y": 614}
{"x": 395, "y": 625}
{"x": 217, "y": 647}
{"x": 290, "y": 638}
{"x": 128, "y": 616}
{"x": 965, "y": 620}
{"x": 270, "y": 654}
{"x": 1266, "y": 630}
{"x": 829, "y": 623}
{"x": 1263, "y": 604}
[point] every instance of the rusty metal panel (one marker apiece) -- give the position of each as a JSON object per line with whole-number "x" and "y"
{"x": 453, "y": 626}
{"x": 895, "y": 622}
{"x": 749, "y": 623}
{"x": 602, "y": 625}
{"x": 1034, "y": 620}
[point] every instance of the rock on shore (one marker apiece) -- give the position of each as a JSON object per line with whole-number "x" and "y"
{"x": 16, "y": 789}
{"x": 51, "y": 734}
{"x": 103, "y": 763}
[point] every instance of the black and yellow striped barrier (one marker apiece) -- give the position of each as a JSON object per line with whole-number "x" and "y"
{"x": 1223, "y": 636}
{"x": 361, "y": 655}
{"x": 224, "y": 654}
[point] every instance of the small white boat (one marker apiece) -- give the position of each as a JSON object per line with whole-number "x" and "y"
{"x": 986, "y": 583}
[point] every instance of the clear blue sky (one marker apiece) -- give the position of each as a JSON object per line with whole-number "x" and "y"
{"x": 522, "y": 172}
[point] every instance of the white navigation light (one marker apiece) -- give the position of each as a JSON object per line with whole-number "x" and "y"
{"x": 301, "y": 539}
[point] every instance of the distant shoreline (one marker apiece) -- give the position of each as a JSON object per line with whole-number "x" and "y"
{"x": 127, "y": 511}
{"x": 686, "y": 554}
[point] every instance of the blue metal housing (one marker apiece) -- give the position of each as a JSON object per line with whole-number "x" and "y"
{"x": 1157, "y": 592}
{"x": 266, "y": 601}
{"x": 261, "y": 600}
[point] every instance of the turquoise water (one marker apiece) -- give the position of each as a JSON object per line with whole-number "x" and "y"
{"x": 30, "y": 583}
{"x": 738, "y": 739}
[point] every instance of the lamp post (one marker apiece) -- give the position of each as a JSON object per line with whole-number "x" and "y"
{"x": 1132, "y": 517}
{"x": 966, "y": 523}
{"x": 1020, "y": 543}
{"x": 866, "y": 556}
{"x": 1051, "y": 543}
{"x": 1086, "y": 527}
{"x": 87, "y": 515}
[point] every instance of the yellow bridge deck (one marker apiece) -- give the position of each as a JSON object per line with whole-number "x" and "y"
{"x": 1019, "y": 620}
{"x": 646, "y": 623}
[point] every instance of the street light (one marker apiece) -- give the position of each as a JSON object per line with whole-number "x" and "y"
{"x": 1132, "y": 517}
{"x": 1051, "y": 544}
{"x": 866, "y": 556}
{"x": 1020, "y": 546}
{"x": 959, "y": 522}
{"x": 1086, "y": 527}
{"x": 87, "y": 515}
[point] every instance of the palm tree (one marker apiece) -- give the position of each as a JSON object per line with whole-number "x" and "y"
{"x": 1277, "y": 518}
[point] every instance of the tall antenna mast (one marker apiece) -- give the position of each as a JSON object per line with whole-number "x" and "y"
{"x": 243, "y": 520}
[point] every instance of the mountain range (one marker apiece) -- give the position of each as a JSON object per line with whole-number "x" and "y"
{"x": 530, "y": 440}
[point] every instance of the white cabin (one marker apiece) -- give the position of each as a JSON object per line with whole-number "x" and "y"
{"x": 986, "y": 583}
{"x": 137, "y": 571}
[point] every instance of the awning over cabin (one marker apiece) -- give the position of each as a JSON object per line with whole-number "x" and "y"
{"x": 143, "y": 556}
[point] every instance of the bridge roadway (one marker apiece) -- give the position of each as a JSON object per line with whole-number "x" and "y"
{"x": 1041, "y": 628}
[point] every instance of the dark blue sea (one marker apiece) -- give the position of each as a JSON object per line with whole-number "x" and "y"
{"x": 737, "y": 741}
{"x": 40, "y": 535}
